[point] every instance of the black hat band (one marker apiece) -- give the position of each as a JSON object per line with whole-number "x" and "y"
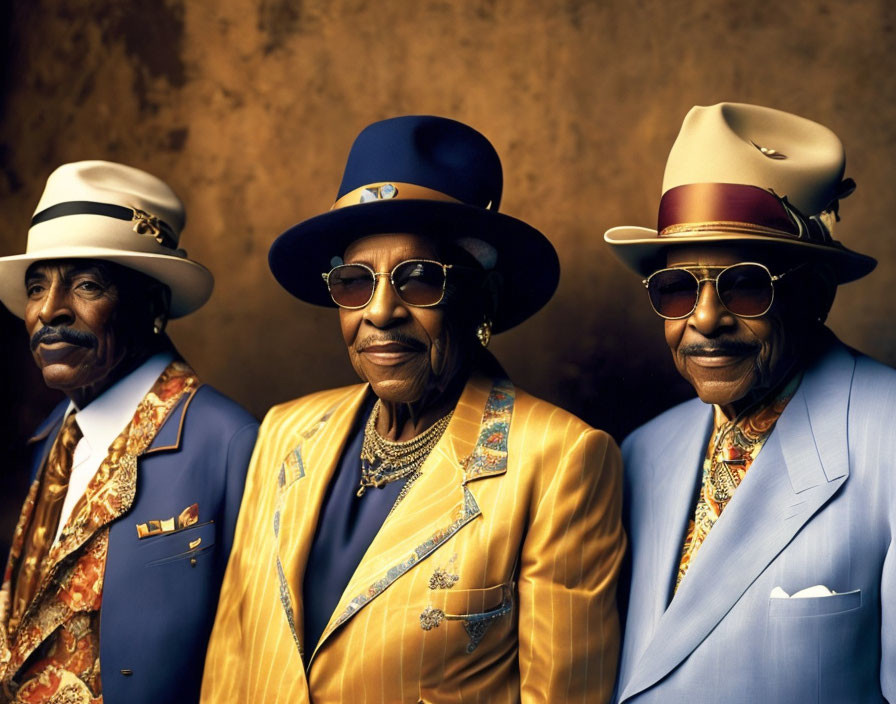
{"x": 144, "y": 223}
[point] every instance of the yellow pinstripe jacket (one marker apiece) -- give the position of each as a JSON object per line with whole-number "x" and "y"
{"x": 493, "y": 580}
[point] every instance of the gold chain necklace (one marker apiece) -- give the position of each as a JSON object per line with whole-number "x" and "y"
{"x": 384, "y": 461}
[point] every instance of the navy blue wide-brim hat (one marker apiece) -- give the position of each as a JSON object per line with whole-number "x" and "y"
{"x": 422, "y": 175}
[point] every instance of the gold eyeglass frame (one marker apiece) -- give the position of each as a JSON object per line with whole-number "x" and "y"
{"x": 715, "y": 280}
{"x": 390, "y": 274}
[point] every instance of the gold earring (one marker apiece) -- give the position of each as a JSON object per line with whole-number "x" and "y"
{"x": 484, "y": 332}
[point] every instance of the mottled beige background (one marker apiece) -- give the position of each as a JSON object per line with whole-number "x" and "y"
{"x": 248, "y": 108}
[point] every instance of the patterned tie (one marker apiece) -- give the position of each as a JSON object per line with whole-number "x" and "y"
{"x": 732, "y": 449}
{"x": 45, "y": 519}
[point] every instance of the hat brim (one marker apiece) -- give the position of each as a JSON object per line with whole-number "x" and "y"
{"x": 642, "y": 250}
{"x": 526, "y": 259}
{"x": 191, "y": 283}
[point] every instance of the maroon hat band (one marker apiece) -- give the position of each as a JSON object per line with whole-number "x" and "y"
{"x": 749, "y": 210}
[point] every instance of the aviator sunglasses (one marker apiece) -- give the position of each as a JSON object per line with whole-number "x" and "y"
{"x": 418, "y": 282}
{"x": 746, "y": 289}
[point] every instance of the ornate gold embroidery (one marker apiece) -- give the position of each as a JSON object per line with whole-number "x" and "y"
{"x": 62, "y": 620}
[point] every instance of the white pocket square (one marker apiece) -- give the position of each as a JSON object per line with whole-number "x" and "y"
{"x": 808, "y": 592}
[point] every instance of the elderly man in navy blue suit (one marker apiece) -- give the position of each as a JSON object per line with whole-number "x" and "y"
{"x": 113, "y": 577}
{"x": 761, "y": 516}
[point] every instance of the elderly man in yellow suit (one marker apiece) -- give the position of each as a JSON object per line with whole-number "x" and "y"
{"x": 435, "y": 534}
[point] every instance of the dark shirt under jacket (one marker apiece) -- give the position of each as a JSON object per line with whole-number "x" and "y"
{"x": 346, "y": 527}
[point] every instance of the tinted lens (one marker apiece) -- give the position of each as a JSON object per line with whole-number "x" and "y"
{"x": 350, "y": 285}
{"x": 745, "y": 289}
{"x": 673, "y": 292}
{"x": 419, "y": 283}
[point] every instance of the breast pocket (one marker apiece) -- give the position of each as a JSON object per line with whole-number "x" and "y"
{"x": 814, "y": 606}
{"x": 816, "y": 648}
{"x": 189, "y": 544}
{"x": 475, "y": 611}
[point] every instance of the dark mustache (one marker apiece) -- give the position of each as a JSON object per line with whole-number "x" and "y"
{"x": 392, "y": 337}
{"x": 71, "y": 336}
{"x": 719, "y": 348}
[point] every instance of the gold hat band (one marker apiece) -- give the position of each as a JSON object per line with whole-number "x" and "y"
{"x": 391, "y": 190}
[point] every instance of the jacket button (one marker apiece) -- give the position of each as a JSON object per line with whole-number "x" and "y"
{"x": 127, "y": 673}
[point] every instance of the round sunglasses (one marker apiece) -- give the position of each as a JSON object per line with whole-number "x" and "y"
{"x": 746, "y": 289}
{"x": 418, "y": 282}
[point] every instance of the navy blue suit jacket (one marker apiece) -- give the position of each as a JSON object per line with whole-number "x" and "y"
{"x": 159, "y": 595}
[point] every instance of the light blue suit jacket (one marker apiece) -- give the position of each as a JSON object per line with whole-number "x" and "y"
{"x": 818, "y": 506}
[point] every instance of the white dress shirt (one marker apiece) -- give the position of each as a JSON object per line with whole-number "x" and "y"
{"x": 101, "y": 421}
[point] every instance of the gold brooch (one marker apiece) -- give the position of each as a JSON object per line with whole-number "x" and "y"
{"x": 146, "y": 224}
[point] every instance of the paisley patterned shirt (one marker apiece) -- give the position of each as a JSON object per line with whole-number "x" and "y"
{"x": 52, "y": 655}
{"x": 732, "y": 448}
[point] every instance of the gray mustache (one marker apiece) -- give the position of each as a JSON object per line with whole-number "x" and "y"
{"x": 396, "y": 337}
{"x": 719, "y": 349}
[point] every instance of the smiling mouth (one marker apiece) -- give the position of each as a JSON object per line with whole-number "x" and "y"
{"x": 716, "y": 359}
{"x": 720, "y": 356}
{"x": 389, "y": 353}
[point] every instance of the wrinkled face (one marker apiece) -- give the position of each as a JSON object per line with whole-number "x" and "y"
{"x": 78, "y": 337}
{"x": 404, "y": 351}
{"x": 731, "y": 360}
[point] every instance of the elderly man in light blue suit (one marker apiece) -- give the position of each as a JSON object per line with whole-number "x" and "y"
{"x": 761, "y": 516}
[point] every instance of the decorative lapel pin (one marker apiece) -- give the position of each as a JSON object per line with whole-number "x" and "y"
{"x": 431, "y": 618}
{"x": 442, "y": 578}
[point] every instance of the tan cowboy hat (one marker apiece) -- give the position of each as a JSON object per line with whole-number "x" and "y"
{"x": 102, "y": 210}
{"x": 747, "y": 173}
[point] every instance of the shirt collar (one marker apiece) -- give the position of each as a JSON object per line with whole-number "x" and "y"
{"x": 105, "y": 417}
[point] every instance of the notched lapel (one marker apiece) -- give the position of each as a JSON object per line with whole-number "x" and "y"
{"x": 787, "y": 484}
{"x": 171, "y": 432}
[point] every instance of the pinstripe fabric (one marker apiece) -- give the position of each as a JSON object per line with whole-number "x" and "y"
{"x": 520, "y": 561}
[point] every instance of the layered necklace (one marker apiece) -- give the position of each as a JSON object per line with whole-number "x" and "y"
{"x": 384, "y": 461}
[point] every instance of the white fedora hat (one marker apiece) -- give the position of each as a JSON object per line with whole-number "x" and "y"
{"x": 745, "y": 173}
{"x": 112, "y": 212}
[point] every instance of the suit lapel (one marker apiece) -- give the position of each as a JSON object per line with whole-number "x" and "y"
{"x": 169, "y": 435}
{"x": 677, "y": 486}
{"x": 303, "y": 478}
{"x": 438, "y": 505}
{"x": 801, "y": 466}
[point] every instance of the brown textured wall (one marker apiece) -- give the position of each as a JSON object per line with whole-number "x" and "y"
{"x": 248, "y": 107}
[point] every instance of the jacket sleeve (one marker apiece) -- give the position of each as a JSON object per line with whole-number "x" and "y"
{"x": 239, "y": 452}
{"x": 247, "y": 588}
{"x": 568, "y": 623}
